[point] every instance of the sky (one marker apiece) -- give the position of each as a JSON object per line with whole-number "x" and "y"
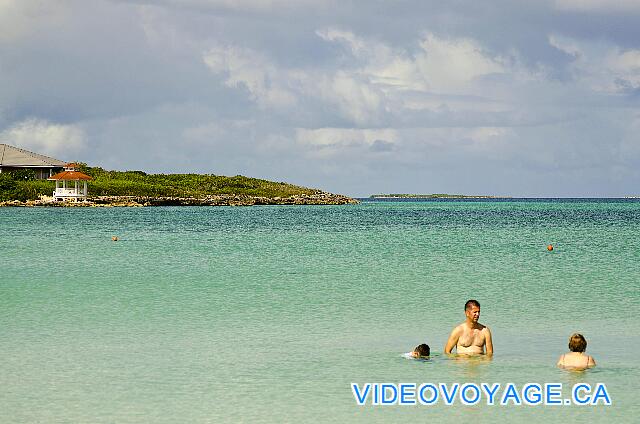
{"x": 357, "y": 97}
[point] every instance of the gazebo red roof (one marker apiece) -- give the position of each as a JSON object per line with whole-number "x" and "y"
{"x": 70, "y": 175}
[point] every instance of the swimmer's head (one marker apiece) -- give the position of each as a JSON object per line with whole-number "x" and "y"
{"x": 421, "y": 351}
{"x": 471, "y": 303}
{"x": 577, "y": 343}
{"x": 472, "y": 310}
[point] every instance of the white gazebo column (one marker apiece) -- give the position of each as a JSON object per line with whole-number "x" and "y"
{"x": 84, "y": 192}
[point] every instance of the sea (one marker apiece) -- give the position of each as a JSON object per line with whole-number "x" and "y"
{"x": 271, "y": 314}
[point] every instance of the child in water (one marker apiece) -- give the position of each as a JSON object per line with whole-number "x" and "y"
{"x": 576, "y": 359}
{"x": 421, "y": 351}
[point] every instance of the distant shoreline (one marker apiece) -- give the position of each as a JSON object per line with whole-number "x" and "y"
{"x": 434, "y": 196}
{"x": 498, "y": 198}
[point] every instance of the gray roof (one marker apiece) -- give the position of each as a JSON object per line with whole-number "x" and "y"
{"x": 13, "y": 156}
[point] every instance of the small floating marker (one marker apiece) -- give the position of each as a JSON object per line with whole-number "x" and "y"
{"x": 114, "y": 238}
{"x": 550, "y": 247}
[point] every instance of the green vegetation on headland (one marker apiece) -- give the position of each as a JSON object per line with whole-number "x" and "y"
{"x": 432, "y": 196}
{"x": 138, "y": 183}
{"x": 22, "y": 185}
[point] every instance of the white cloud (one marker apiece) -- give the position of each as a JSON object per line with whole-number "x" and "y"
{"x": 19, "y": 18}
{"x": 251, "y": 6}
{"x": 625, "y": 65}
{"x": 356, "y": 45}
{"x": 600, "y": 66}
{"x": 476, "y": 138}
{"x": 357, "y": 99}
{"x": 328, "y": 142}
{"x": 450, "y": 65}
{"x": 381, "y": 80}
{"x": 214, "y": 132}
{"x": 599, "y": 5}
{"x": 270, "y": 85}
{"x": 630, "y": 143}
{"x": 205, "y": 133}
{"x": 485, "y": 134}
{"x": 378, "y": 61}
{"x": 344, "y": 136}
{"x": 565, "y": 45}
{"x": 374, "y": 80}
{"x": 249, "y": 69}
{"x": 44, "y": 137}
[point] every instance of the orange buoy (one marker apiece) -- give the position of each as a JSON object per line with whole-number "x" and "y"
{"x": 114, "y": 238}
{"x": 550, "y": 247}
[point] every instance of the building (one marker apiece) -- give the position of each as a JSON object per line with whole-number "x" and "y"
{"x": 71, "y": 184}
{"x": 13, "y": 158}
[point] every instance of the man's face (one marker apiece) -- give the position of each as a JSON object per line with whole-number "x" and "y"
{"x": 473, "y": 313}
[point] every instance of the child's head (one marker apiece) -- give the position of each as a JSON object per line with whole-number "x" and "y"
{"x": 421, "y": 351}
{"x": 577, "y": 343}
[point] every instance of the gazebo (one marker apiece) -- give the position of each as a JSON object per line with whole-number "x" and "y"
{"x": 64, "y": 189}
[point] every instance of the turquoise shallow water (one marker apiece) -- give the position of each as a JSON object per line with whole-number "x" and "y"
{"x": 267, "y": 314}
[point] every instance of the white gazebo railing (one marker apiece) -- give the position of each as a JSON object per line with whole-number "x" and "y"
{"x": 78, "y": 189}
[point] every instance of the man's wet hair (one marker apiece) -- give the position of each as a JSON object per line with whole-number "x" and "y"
{"x": 577, "y": 343}
{"x": 422, "y": 350}
{"x": 471, "y": 303}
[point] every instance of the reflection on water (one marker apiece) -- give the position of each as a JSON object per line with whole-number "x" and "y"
{"x": 473, "y": 367}
{"x": 469, "y": 358}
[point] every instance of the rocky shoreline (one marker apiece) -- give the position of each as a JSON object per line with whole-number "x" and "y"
{"x": 319, "y": 198}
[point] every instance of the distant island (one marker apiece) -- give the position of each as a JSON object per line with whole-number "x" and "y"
{"x": 137, "y": 188}
{"x": 433, "y": 196}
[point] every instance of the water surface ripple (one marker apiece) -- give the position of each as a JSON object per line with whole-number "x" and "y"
{"x": 267, "y": 314}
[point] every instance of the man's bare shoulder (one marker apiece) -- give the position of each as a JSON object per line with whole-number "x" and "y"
{"x": 457, "y": 330}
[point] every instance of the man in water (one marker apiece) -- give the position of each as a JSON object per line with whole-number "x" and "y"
{"x": 470, "y": 337}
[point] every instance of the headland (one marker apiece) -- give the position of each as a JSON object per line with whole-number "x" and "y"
{"x": 137, "y": 188}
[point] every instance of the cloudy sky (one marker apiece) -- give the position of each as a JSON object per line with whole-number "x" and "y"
{"x": 504, "y": 97}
